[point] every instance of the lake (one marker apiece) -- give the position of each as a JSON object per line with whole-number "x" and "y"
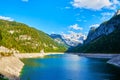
{"x": 68, "y": 67}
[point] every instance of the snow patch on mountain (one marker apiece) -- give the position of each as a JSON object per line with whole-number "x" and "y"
{"x": 73, "y": 39}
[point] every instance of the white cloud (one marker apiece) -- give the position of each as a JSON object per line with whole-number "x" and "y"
{"x": 6, "y": 18}
{"x": 95, "y": 25}
{"x": 53, "y": 32}
{"x": 76, "y": 27}
{"x": 95, "y": 4}
{"x": 25, "y": 0}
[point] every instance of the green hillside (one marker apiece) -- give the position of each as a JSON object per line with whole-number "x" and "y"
{"x": 19, "y": 36}
{"x": 104, "y": 44}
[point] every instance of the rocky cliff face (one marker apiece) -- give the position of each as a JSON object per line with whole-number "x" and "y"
{"x": 11, "y": 67}
{"x": 105, "y": 28}
{"x": 58, "y": 38}
{"x": 71, "y": 40}
{"x": 117, "y": 13}
{"x": 115, "y": 61}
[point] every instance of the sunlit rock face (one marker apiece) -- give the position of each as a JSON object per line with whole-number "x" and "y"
{"x": 58, "y": 38}
{"x": 11, "y": 67}
{"x": 105, "y": 28}
{"x": 117, "y": 13}
{"x": 72, "y": 39}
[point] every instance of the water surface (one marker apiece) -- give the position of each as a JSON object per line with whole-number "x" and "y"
{"x": 68, "y": 67}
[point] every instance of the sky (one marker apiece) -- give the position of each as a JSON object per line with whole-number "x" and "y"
{"x": 59, "y": 16}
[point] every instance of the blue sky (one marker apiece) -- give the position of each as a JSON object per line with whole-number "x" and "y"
{"x": 59, "y": 16}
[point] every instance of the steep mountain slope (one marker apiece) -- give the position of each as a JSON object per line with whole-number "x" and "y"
{"x": 58, "y": 38}
{"x": 71, "y": 40}
{"x": 23, "y": 38}
{"x": 105, "y": 28}
{"x": 104, "y": 44}
{"x": 104, "y": 39}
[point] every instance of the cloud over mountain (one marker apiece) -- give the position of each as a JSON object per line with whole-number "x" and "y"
{"x": 95, "y": 25}
{"x": 76, "y": 27}
{"x": 6, "y": 18}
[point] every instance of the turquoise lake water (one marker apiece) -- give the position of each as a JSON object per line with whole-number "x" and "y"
{"x": 68, "y": 67}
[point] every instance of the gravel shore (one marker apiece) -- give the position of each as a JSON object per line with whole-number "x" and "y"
{"x": 114, "y": 59}
{"x": 33, "y": 55}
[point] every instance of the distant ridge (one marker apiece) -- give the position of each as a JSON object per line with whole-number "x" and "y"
{"x": 104, "y": 39}
{"x": 21, "y": 37}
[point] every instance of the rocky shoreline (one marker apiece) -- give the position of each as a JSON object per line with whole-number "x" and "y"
{"x": 33, "y": 55}
{"x": 11, "y": 66}
{"x": 114, "y": 59}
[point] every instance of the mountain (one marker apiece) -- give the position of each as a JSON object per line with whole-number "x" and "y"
{"x": 21, "y": 37}
{"x": 59, "y": 39}
{"x": 70, "y": 40}
{"x": 104, "y": 39}
{"x": 73, "y": 39}
{"x": 105, "y": 28}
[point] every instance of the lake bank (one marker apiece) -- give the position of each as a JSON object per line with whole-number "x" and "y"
{"x": 12, "y": 65}
{"x": 114, "y": 59}
{"x": 68, "y": 67}
{"x": 98, "y": 55}
{"x": 33, "y": 55}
